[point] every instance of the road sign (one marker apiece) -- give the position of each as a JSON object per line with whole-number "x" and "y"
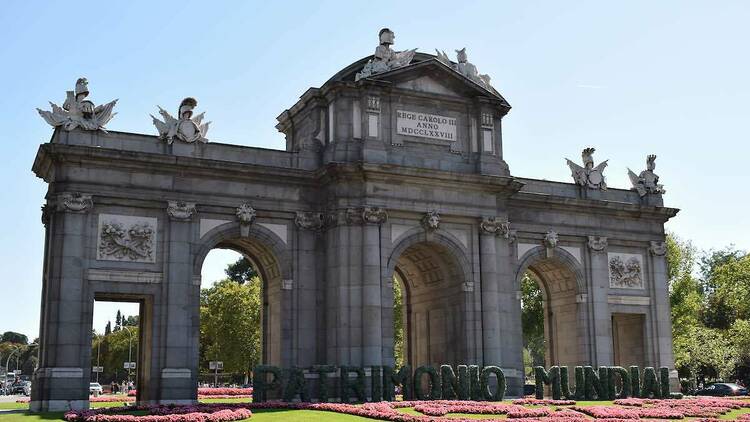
{"x": 129, "y": 365}
{"x": 97, "y": 369}
{"x": 18, "y": 372}
{"x": 216, "y": 365}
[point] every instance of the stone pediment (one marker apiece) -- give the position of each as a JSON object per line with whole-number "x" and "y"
{"x": 428, "y": 75}
{"x": 429, "y": 85}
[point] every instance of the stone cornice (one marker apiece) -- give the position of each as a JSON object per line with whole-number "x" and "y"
{"x": 595, "y": 206}
{"x": 499, "y": 185}
{"x": 51, "y": 153}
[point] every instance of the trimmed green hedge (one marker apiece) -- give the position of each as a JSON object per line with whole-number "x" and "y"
{"x": 434, "y": 381}
{"x": 347, "y": 386}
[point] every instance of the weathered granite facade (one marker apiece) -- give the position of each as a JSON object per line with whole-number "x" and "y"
{"x": 349, "y": 205}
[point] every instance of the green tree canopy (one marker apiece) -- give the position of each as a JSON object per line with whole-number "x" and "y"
{"x": 13, "y": 337}
{"x": 230, "y": 324}
{"x": 241, "y": 271}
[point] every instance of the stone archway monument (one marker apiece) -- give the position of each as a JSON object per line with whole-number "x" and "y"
{"x": 394, "y": 165}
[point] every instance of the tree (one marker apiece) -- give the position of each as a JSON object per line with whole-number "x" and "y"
{"x": 729, "y": 298}
{"x": 108, "y": 328}
{"x": 398, "y": 323}
{"x": 230, "y": 324}
{"x": 241, "y": 271}
{"x": 13, "y": 337}
{"x": 118, "y": 320}
{"x": 532, "y": 319}
{"x": 685, "y": 292}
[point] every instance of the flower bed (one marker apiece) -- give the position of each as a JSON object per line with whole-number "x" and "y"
{"x": 708, "y": 409}
{"x": 225, "y": 392}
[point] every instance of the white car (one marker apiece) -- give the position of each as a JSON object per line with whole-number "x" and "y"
{"x": 95, "y": 388}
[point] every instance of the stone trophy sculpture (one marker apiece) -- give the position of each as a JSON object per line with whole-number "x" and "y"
{"x": 588, "y": 175}
{"x": 186, "y": 127}
{"x": 647, "y": 182}
{"x": 464, "y": 67}
{"x": 385, "y": 58}
{"x": 78, "y": 111}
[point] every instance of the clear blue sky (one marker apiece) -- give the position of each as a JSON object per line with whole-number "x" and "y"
{"x": 629, "y": 78}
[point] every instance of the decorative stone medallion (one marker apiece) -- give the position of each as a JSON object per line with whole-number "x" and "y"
{"x": 179, "y": 210}
{"x": 309, "y": 220}
{"x": 431, "y": 220}
{"x": 76, "y": 202}
{"x": 246, "y": 214}
{"x": 551, "y": 239}
{"x": 126, "y": 238}
{"x": 374, "y": 215}
{"x": 597, "y": 243}
{"x": 625, "y": 271}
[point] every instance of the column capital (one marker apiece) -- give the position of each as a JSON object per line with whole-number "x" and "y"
{"x": 309, "y": 220}
{"x": 657, "y": 247}
{"x": 374, "y": 215}
{"x": 75, "y": 202}
{"x": 180, "y": 210}
{"x": 597, "y": 243}
{"x": 497, "y": 227}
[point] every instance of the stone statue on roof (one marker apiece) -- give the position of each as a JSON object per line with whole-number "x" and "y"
{"x": 185, "y": 127}
{"x": 385, "y": 58}
{"x": 588, "y": 175}
{"x": 647, "y": 182}
{"x": 465, "y": 68}
{"x": 78, "y": 111}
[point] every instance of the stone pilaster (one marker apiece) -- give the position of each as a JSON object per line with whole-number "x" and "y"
{"x": 601, "y": 330}
{"x": 488, "y": 229}
{"x": 372, "y": 334}
{"x": 182, "y": 295}
{"x": 61, "y": 381}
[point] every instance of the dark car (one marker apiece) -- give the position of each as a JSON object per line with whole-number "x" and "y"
{"x": 722, "y": 389}
{"x": 529, "y": 389}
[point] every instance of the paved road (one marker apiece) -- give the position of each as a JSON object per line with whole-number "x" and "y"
{"x": 10, "y": 399}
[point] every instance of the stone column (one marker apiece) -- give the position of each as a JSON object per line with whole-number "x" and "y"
{"x": 372, "y": 332}
{"x": 305, "y": 287}
{"x": 601, "y": 330}
{"x": 180, "y": 349}
{"x": 61, "y": 381}
{"x": 511, "y": 332}
{"x": 489, "y": 286}
{"x": 662, "y": 343}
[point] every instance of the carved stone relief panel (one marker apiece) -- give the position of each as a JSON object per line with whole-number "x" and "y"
{"x": 126, "y": 238}
{"x": 625, "y": 271}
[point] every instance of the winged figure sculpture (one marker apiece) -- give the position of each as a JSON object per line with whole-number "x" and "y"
{"x": 186, "y": 127}
{"x": 588, "y": 175}
{"x": 78, "y": 111}
{"x": 647, "y": 182}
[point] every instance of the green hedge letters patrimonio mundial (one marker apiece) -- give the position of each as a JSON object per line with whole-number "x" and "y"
{"x": 470, "y": 382}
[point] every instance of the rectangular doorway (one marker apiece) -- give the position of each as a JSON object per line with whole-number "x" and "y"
{"x": 628, "y": 334}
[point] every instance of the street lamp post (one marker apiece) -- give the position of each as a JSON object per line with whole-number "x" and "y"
{"x": 7, "y": 361}
{"x": 98, "y": 349}
{"x": 130, "y": 348}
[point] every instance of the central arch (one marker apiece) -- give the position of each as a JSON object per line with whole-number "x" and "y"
{"x": 560, "y": 278}
{"x": 434, "y": 271}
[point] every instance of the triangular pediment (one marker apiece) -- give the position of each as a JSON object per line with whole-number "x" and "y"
{"x": 428, "y": 84}
{"x": 432, "y": 76}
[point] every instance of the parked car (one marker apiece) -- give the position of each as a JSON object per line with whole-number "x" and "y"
{"x": 529, "y": 389}
{"x": 95, "y": 388}
{"x": 722, "y": 389}
{"x": 21, "y": 387}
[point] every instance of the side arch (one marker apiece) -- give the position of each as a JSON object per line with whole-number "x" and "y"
{"x": 562, "y": 280}
{"x": 273, "y": 261}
